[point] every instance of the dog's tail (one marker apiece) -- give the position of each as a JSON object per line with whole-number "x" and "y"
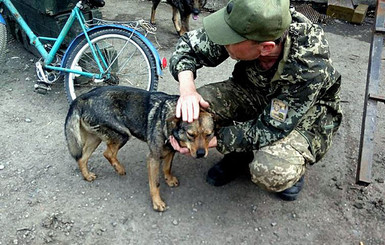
{"x": 72, "y": 133}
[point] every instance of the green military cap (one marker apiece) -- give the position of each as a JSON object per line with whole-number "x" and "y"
{"x": 240, "y": 20}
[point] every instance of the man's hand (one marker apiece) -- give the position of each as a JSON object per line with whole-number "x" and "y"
{"x": 185, "y": 150}
{"x": 176, "y": 146}
{"x": 188, "y": 106}
{"x": 189, "y": 101}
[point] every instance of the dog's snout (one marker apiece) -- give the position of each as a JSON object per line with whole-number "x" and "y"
{"x": 201, "y": 152}
{"x": 195, "y": 11}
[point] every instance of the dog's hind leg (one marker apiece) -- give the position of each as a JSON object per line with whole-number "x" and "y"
{"x": 153, "y": 165}
{"x": 90, "y": 144}
{"x": 111, "y": 155}
{"x": 167, "y": 163}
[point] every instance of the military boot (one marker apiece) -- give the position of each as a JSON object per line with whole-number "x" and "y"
{"x": 230, "y": 167}
{"x": 291, "y": 193}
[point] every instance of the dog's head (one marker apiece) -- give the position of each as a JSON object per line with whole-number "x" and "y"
{"x": 195, "y": 7}
{"x": 196, "y": 135}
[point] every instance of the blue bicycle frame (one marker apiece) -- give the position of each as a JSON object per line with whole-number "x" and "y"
{"x": 48, "y": 57}
{"x": 2, "y": 21}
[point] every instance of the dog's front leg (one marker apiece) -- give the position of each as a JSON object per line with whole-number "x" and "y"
{"x": 153, "y": 165}
{"x": 185, "y": 24}
{"x": 167, "y": 163}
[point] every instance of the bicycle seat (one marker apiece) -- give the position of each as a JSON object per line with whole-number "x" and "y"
{"x": 96, "y": 3}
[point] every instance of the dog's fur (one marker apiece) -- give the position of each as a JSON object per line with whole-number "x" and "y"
{"x": 113, "y": 114}
{"x": 181, "y": 13}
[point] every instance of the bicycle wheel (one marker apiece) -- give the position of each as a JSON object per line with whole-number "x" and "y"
{"x": 129, "y": 62}
{"x": 3, "y": 42}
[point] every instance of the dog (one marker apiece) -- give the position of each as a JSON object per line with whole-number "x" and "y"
{"x": 113, "y": 114}
{"x": 181, "y": 13}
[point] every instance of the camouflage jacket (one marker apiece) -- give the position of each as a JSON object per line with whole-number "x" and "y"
{"x": 304, "y": 80}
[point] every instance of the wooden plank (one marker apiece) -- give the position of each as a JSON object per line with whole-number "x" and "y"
{"x": 369, "y": 123}
{"x": 359, "y": 13}
{"x": 340, "y": 9}
{"x": 380, "y": 16}
{"x": 341, "y": 3}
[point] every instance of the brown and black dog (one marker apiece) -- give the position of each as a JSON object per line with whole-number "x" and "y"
{"x": 181, "y": 13}
{"x": 113, "y": 114}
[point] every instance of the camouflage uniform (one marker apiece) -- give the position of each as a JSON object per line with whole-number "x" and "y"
{"x": 305, "y": 85}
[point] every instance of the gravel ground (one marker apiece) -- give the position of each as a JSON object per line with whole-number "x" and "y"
{"x": 44, "y": 200}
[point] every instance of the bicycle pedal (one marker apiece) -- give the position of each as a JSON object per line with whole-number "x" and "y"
{"x": 41, "y": 88}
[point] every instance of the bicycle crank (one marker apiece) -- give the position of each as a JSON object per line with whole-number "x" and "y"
{"x": 44, "y": 75}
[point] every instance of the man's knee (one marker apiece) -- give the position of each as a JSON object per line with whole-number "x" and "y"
{"x": 223, "y": 101}
{"x": 213, "y": 90}
{"x": 280, "y": 165}
{"x": 212, "y": 94}
{"x": 275, "y": 173}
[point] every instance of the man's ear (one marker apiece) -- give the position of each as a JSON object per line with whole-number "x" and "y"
{"x": 267, "y": 47}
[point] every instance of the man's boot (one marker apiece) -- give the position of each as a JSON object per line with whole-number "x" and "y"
{"x": 291, "y": 193}
{"x": 231, "y": 166}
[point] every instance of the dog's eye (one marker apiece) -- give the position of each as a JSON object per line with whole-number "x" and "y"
{"x": 209, "y": 135}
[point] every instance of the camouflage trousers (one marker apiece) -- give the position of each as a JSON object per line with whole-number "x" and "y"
{"x": 280, "y": 165}
{"x": 275, "y": 167}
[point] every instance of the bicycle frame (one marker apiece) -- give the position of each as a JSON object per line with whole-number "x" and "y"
{"x": 2, "y": 21}
{"x": 49, "y": 56}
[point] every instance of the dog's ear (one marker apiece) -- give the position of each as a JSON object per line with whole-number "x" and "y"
{"x": 211, "y": 113}
{"x": 174, "y": 121}
{"x": 218, "y": 120}
{"x": 206, "y": 111}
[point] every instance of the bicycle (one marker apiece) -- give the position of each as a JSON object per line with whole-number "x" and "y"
{"x": 104, "y": 53}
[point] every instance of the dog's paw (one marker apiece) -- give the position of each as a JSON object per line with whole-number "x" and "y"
{"x": 90, "y": 177}
{"x": 159, "y": 205}
{"x": 172, "y": 181}
{"x": 120, "y": 170}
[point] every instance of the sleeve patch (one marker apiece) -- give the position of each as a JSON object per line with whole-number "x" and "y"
{"x": 278, "y": 110}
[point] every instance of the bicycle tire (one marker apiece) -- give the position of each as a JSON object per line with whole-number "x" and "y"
{"x": 133, "y": 66}
{"x": 3, "y": 42}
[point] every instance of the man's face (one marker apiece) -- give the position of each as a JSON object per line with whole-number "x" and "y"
{"x": 246, "y": 50}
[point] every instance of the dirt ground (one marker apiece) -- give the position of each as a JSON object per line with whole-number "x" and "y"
{"x": 44, "y": 200}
